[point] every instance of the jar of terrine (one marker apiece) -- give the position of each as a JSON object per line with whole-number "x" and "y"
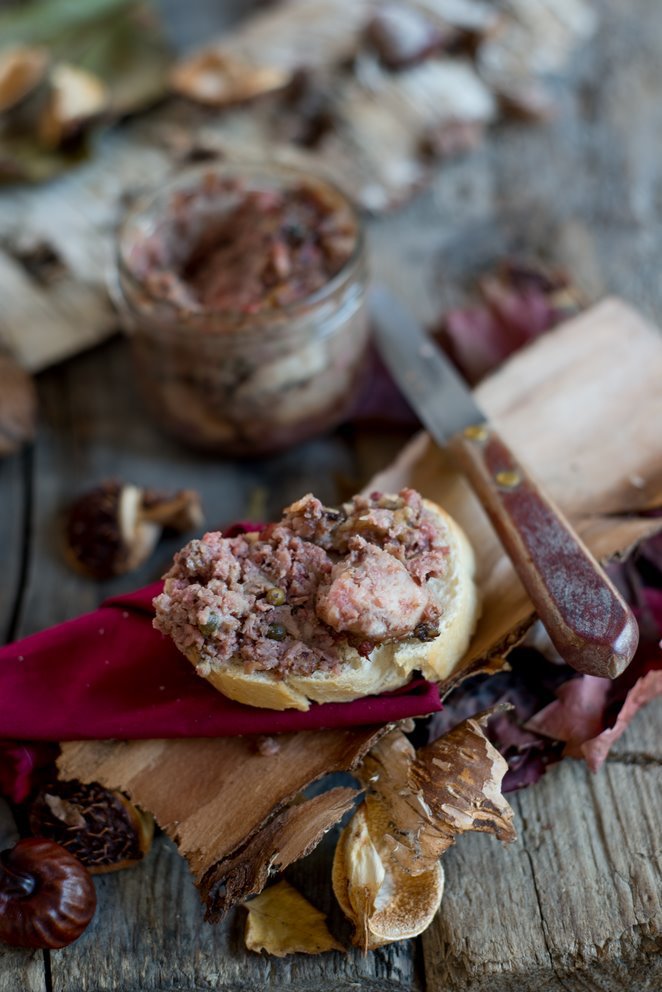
{"x": 243, "y": 292}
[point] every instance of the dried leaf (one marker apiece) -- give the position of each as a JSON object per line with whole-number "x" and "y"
{"x": 518, "y": 301}
{"x": 590, "y": 713}
{"x": 280, "y": 921}
{"x": 285, "y": 838}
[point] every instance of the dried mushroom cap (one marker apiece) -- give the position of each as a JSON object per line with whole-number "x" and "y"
{"x": 383, "y": 901}
{"x": 403, "y": 36}
{"x": 114, "y": 528}
{"x": 280, "y": 921}
{"x": 218, "y": 79}
{"x": 386, "y": 872}
{"x": 99, "y": 826}
{"x": 77, "y": 97}
{"x": 22, "y": 69}
{"x": 18, "y": 406}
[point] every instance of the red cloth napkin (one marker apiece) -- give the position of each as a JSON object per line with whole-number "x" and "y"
{"x": 109, "y": 674}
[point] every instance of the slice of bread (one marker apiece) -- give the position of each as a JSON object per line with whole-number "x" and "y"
{"x": 389, "y": 665}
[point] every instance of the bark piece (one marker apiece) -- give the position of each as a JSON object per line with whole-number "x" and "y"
{"x": 285, "y": 838}
{"x": 227, "y": 795}
{"x": 280, "y": 921}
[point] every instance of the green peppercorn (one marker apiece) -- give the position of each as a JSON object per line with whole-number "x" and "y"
{"x": 211, "y": 625}
{"x": 276, "y": 632}
{"x": 275, "y": 596}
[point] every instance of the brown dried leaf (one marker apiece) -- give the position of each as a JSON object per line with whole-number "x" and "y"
{"x": 218, "y": 79}
{"x": 287, "y": 837}
{"x": 280, "y": 921}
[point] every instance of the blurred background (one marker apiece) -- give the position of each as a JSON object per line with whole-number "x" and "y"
{"x": 503, "y": 157}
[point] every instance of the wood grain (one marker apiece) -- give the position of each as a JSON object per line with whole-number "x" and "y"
{"x": 584, "y": 191}
{"x": 574, "y": 903}
{"x": 19, "y": 969}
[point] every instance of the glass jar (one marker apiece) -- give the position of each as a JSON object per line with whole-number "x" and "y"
{"x": 280, "y": 367}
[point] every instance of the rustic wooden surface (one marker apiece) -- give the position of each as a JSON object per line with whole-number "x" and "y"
{"x": 582, "y": 886}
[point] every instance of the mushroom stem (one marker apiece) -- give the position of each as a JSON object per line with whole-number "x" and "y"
{"x": 182, "y": 511}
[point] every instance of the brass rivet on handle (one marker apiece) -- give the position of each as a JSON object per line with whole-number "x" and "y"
{"x": 475, "y": 432}
{"x": 508, "y": 479}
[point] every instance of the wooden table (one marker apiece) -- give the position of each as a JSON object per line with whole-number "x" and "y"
{"x": 576, "y": 903}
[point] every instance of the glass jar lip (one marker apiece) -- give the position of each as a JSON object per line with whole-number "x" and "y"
{"x": 267, "y": 168}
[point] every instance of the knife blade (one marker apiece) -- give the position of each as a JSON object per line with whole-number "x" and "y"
{"x": 586, "y": 618}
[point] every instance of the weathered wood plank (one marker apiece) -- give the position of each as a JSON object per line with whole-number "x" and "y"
{"x": 574, "y": 903}
{"x": 18, "y": 969}
{"x": 585, "y": 190}
{"x": 137, "y": 940}
{"x": 14, "y": 507}
{"x": 149, "y": 934}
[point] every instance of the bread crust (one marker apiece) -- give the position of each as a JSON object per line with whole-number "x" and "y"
{"x": 390, "y": 665}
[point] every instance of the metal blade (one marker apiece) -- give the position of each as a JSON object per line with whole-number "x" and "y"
{"x": 435, "y": 390}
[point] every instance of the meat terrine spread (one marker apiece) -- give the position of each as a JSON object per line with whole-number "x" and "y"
{"x": 242, "y": 250}
{"x": 291, "y": 597}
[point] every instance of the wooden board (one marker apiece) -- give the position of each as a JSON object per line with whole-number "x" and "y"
{"x": 57, "y": 310}
{"x": 583, "y": 190}
{"x": 588, "y": 391}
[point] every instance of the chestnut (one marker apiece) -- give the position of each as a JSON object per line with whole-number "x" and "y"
{"x": 47, "y": 897}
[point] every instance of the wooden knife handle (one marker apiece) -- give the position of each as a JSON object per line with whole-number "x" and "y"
{"x": 587, "y": 620}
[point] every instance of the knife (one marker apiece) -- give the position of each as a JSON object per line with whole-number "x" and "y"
{"x": 586, "y": 618}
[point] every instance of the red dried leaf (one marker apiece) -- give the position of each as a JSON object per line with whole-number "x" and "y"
{"x": 590, "y": 714}
{"x": 519, "y": 301}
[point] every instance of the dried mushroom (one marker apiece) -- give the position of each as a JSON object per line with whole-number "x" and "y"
{"x": 402, "y": 36}
{"x": 384, "y": 902}
{"x": 18, "y": 406}
{"x": 98, "y": 826}
{"x": 76, "y": 99}
{"x": 71, "y": 68}
{"x": 386, "y": 872}
{"x": 22, "y": 69}
{"x": 280, "y": 921}
{"x": 219, "y": 79}
{"x": 114, "y": 528}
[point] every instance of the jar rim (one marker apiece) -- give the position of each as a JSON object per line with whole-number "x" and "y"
{"x": 240, "y": 169}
